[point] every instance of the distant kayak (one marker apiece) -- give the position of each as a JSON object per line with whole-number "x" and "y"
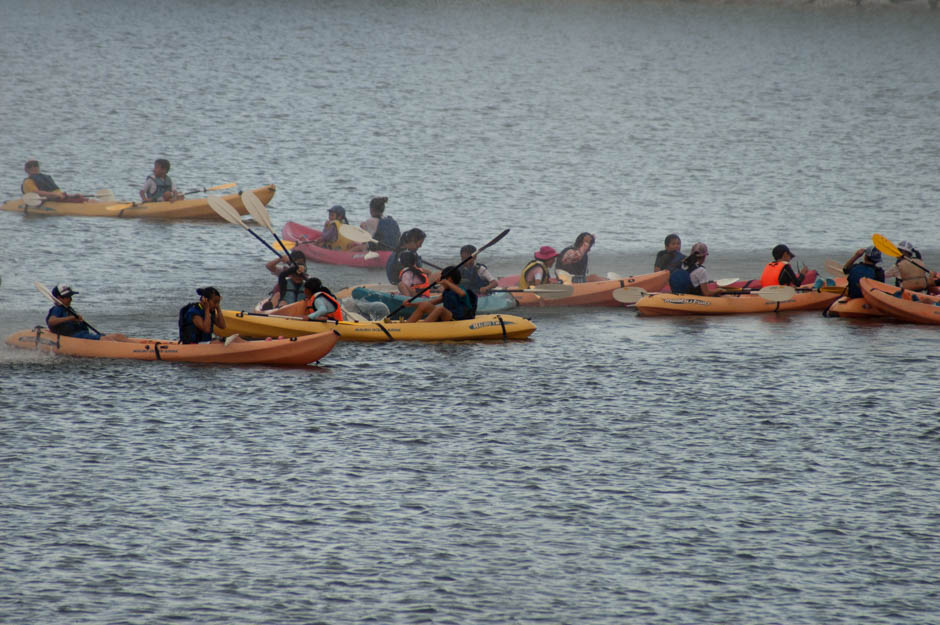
{"x": 304, "y": 236}
{"x": 196, "y": 208}
{"x": 598, "y": 293}
{"x": 291, "y": 351}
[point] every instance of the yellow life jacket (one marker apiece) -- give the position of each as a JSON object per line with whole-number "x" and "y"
{"x": 546, "y": 275}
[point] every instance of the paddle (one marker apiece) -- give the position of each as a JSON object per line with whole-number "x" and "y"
{"x": 227, "y": 212}
{"x": 564, "y": 276}
{"x": 774, "y": 293}
{"x": 612, "y": 275}
{"x": 259, "y": 212}
{"x": 358, "y": 235}
{"x": 120, "y": 207}
{"x": 547, "y": 291}
{"x": 885, "y": 246}
{"x": 42, "y": 289}
{"x": 104, "y": 195}
{"x": 834, "y": 268}
{"x": 496, "y": 240}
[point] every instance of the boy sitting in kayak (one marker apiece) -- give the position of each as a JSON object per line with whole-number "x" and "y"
{"x": 61, "y": 319}
{"x": 44, "y": 186}
{"x": 453, "y": 304}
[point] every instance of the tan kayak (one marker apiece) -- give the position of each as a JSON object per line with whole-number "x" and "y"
{"x": 196, "y": 208}
{"x": 291, "y": 351}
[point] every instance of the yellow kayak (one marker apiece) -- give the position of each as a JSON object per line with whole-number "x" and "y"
{"x": 196, "y": 208}
{"x": 482, "y": 327}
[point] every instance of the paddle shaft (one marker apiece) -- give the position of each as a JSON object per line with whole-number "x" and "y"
{"x": 458, "y": 266}
{"x": 71, "y": 310}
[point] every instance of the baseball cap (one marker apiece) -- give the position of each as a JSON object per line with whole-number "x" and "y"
{"x": 63, "y": 290}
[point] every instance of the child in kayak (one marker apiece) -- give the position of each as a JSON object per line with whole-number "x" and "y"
{"x": 453, "y": 304}
{"x": 868, "y": 268}
{"x": 669, "y": 258}
{"x": 198, "y": 320}
{"x": 574, "y": 259}
{"x": 321, "y": 304}
{"x": 61, "y": 319}
{"x": 692, "y": 277}
{"x": 538, "y": 270}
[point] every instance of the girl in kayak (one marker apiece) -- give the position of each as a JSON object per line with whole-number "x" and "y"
{"x": 198, "y": 320}
{"x": 290, "y": 280}
{"x": 574, "y": 259}
{"x": 332, "y": 238}
{"x": 692, "y": 278}
{"x": 321, "y": 304}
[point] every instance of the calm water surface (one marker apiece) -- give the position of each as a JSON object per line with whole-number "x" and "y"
{"x": 613, "y": 469}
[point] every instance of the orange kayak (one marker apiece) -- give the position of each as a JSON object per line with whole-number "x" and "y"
{"x": 852, "y": 308}
{"x": 900, "y": 303}
{"x": 290, "y": 351}
{"x": 596, "y": 293}
{"x": 730, "y": 304}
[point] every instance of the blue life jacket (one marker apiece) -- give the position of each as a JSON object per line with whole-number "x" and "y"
{"x": 578, "y": 268}
{"x": 462, "y": 307}
{"x": 189, "y": 333}
{"x": 43, "y": 182}
{"x": 470, "y": 277}
{"x": 680, "y": 281}
{"x": 163, "y": 185}
{"x": 387, "y": 233}
{"x": 69, "y": 328}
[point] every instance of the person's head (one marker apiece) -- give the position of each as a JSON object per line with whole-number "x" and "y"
{"x": 451, "y": 273}
{"x": 697, "y": 255}
{"x": 906, "y": 248}
{"x": 210, "y": 294}
{"x": 415, "y": 239}
{"x": 407, "y": 259}
{"x": 466, "y": 252}
{"x": 673, "y": 243}
{"x": 312, "y": 285}
{"x": 337, "y": 213}
{"x": 377, "y": 206}
{"x": 63, "y": 292}
{"x": 872, "y": 255}
{"x": 584, "y": 238}
{"x": 31, "y": 167}
{"x": 299, "y": 260}
{"x": 546, "y": 254}
{"x": 161, "y": 167}
{"x": 782, "y": 252}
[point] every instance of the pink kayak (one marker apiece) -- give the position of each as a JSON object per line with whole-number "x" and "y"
{"x": 304, "y": 237}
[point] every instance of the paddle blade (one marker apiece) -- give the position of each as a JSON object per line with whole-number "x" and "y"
{"x": 42, "y": 289}
{"x": 354, "y": 233}
{"x": 885, "y": 246}
{"x": 32, "y": 200}
{"x": 257, "y": 209}
{"x": 552, "y": 291}
{"x": 105, "y": 195}
{"x": 225, "y": 210}
{"x": 723, "y": 282}
{"x": 499, "y": 237}
{"x": 777, "y": 293}
{"x": 370, "y": 255}
{"x": 563, "y": 275}
{"x": 612, "y": 275}
{"x": 629, "y": 294}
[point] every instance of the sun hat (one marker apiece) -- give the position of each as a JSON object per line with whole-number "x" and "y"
{"x": 546, "y": 252}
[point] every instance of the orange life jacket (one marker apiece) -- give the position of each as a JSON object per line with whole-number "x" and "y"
{"x": 336, "y": 315}
{"x": 772, "y": 272}
{"x": 418, "y": 287}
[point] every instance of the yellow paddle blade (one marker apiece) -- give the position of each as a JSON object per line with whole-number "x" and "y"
{"x": 287, "y": 247}
{"x": 218, "y": 187}
{"x": 885, "y": 246}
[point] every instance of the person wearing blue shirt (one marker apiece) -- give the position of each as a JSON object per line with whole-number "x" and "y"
{"x": 868, "y": 268}
{"x": 61, "y": 319}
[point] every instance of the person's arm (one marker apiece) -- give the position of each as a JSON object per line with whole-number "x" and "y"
{"x": 788, "y": 277}
{"x": 272, "y": 265}
{"x": 322, "y": 306}
{"x": 491, "y": 282}
{"x": 450, "y": 286}
{"x": 203, "y": 320}
{"x": 55, "y": 322}
{"x": 659, "y": 262}
{"x": 847, "y": 267}
{"x": 405, "y": 282}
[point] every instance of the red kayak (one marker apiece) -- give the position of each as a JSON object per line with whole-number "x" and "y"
{"x": 304, "y": 237}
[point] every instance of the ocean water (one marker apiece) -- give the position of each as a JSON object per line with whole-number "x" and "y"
{"x": 612, "y": 469}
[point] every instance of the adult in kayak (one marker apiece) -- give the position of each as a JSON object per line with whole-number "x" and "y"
{"x": 44, "y": 185}
{"x": 197, "y": 320}
{"x": 779, "y": 270}
{"x": 412, "y": 279}
{"x": 331, "y": 237}
{"x": 538, "y": 270}
{"x": 290, "y": 279}
{"x": 383, "y": 228}
{"x": 159, "y": 187}
{"x": 692, "y": 277}
{"x": 322, "y": 305}
{"x": 669, "y": 258}
{"x": 411, "y": 240}
{"x": 574, "y": 259}
{"x": 475, "y": 276}
{"x": 913, "y": 275}
{"x": 868, "y": 268}
{"x": 61, "y": 319}
{"x": 454, "y": 302}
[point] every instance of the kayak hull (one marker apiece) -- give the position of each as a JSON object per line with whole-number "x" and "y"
{"x": 197, "y": 208}
{"x": 658, "y": 304}
{"x": 303, "y": 237}
{"x": 598, "y": 293}
{"x": 486, "y": 304}
{"x": 480, "y": 328}
{"x": 295, "y": 351}
{"x": 903, "y": 304}
{"x": 852, "y": 308}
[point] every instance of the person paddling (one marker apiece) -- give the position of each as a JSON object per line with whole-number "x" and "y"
{"x": 61, "y": 319}
{"x": 332, "y": 238}
{"x": 868, "y": 268}
{"x": 454, "y": 302}
{"x": 912, "y": 273}
{"x": 779, "y": 271}
{"x": 475, "y": 276}
{"x": 44, "y": 186}
{"x": 290, "y": 280}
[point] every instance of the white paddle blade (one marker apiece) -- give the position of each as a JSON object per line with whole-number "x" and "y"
{"x": 629, "y": 294}
{"x": 42, "y": 289}
{"x": 370, "y": 255}
{"x": 354, "y": 233}
{"x": 563, "y": 275}
{"x": 32, "y": 200}
{"x": 225, "y": 210}
{"x": 613, "y": 275}
{"x": 257, "y": 209}
{"x": 834, "y": 268}
{"x": 723, "y": 282}
{"x": 777, "y": 293}
{"x": 106, "y": 195}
